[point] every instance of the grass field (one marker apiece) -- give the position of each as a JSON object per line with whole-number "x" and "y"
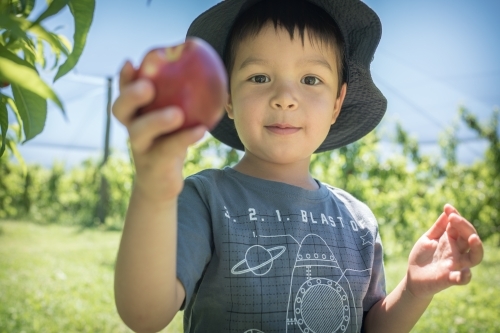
{"x": 60, "y": 279}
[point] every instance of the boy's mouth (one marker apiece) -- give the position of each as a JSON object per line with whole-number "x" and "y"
{"x": 282, "y": 129}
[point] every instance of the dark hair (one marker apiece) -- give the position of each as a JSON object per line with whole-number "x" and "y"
{"x": 288, "y": 14}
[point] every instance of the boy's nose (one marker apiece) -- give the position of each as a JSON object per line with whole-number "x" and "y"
{"x": 285, "y": 106}
{"x": 284, "y": 100}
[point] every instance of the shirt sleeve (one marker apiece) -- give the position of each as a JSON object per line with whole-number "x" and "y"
{"x": 361, "y": 212}
{"x": 376, "y": 289}
{"x": 194, "y": 236}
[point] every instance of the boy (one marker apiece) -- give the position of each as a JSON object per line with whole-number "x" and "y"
{"x": 262, "y": 246}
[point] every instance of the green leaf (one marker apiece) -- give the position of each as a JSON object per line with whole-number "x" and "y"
{"x": 53, "y": 40}
{"x": 29, "y": 53}
{"x": 39, "y": 56}
{"x": 19, "y": 71}
{"x": 83, "y": 13}
{"x": 28, "y": 7}
{"x": 53, "y": 8}
{"x": 4, "y": 123}
{"x": 33, "y": 111}
{"x": 17, "y": 129}
{"x": 65, "y": 42}
{"x": 13, "y": 148}
{"x": 15, "y": 25}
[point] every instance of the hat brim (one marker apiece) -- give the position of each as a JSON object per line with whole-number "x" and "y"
{"x": 364, "y": 104}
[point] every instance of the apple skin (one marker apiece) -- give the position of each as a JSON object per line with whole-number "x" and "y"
{"x": 191, "y": 76}
{"x": 4, "y": 84}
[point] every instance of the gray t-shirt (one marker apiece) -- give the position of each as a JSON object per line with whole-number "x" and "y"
{"x": 263, "y": 256}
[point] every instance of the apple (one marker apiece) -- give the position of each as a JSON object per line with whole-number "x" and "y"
{"x": 4, "y": 84}
{"x": 191, "y": 76}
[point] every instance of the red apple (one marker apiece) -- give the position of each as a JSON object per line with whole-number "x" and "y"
{"x": 4, "y": 84}
{"x": 190, "y": 75}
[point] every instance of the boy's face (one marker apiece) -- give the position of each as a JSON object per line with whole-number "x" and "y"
{"x": 283, "y": 95}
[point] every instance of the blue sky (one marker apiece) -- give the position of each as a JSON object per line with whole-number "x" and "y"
{"x": 433, "y": 57}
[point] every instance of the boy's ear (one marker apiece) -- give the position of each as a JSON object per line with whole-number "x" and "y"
{"x": 338, "y": 103}
{"x": 229, "y": 107}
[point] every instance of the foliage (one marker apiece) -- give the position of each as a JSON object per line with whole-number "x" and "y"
{"x": 23, "y": 43}
{"x": 475, "y": 189}
{"x": 60, "y": 279}
{"x": 406, "y": 191}
{"x": 60, "y": 196}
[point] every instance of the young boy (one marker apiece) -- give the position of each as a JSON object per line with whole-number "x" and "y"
{"x": 262, "y": 246}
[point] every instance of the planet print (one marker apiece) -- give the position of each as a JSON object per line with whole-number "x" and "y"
{"x": 258, "y": 260}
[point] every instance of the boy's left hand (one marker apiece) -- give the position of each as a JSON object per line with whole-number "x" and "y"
{"x": 443, "y": 256}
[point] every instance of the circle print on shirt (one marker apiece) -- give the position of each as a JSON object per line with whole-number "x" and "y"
{"x": 258, "y": 260}
{"x": 310, "y": 312}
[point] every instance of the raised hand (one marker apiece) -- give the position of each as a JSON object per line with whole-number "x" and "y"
{"x": 444, "y": 255}
{"x": 158, "y": 152}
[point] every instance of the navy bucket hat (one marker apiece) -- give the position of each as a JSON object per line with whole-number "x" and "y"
{"x": 364, "y": 105}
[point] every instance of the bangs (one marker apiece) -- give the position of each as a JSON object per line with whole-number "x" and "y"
{"x": 291, "y": 15}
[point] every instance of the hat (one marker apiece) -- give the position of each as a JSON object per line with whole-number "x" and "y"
{"x": 364, "y": 104}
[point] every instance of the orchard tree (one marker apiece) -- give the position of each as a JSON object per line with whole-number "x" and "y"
{"x": 23, "y": 50}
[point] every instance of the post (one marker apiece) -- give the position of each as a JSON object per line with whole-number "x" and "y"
{"x": 103, "y": 204}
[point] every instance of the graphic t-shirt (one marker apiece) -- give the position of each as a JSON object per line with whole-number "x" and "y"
{"x": 263, "y": 256}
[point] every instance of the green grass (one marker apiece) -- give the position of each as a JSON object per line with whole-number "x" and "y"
{"x": 60, "y": 279}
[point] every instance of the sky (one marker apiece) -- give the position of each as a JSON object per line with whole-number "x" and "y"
{"x": 434, "y": 56}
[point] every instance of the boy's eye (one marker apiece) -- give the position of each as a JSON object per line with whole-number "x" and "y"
{"x": 259, "y": 79}
{"x": 311, "y": 80}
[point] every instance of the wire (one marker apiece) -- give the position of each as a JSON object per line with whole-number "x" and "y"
{"x": 405, "y": 99}
{"x": 61, "y": 146}
{"x": 444, "y": 78}
{"x": 91, "y": 93}
{"x": 419, "y": 109}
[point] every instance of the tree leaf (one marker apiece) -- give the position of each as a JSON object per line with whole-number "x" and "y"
{"x": 13, "y": 148}
{"x": 33, "y": 111}
{"x": 19, "y": 71}
{"x": 13, "y": 106}
{"x": 65, "y": 42}
{"x": 53, "y": 8}
{"x": 50, "y": 38}
{"x": 15, "y": 25}
{"x": 83, "y": 13}
{"x": 29, "y": 53}
{"x": 4, "y": 123}
{"x": 28, "y": 7}
{"x": 39, "y": 56}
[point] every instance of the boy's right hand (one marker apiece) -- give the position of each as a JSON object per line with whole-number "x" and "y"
{"x": 158, "y": 153}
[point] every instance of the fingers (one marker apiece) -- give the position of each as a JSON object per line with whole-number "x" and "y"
{"x": 476, "y": 252}
{"x": 438, "y": 228}
{"x": 133, "y": 96}
{"x": 152, "y": 127}
{"x": 145, "y": 129}
{"x": 176, "y": 144}
{"x": 467, "y": 239}
{"x": 460, "y": 277}
{"x": 127, "y": 74}
{"x": 449, "y": 209}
